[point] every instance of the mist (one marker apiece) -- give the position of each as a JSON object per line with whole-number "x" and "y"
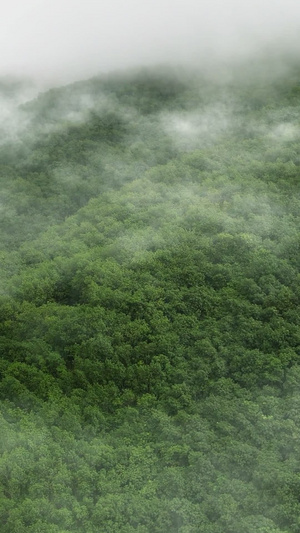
{"x": 149, "y": 254}
{"x": 59, "y": 42}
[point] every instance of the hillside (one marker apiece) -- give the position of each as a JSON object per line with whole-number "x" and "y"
{"x": 150, "y": 341}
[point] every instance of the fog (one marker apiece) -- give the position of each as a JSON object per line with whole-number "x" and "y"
{"x": 149, "y": 245}
{"x": 62, "y": 41}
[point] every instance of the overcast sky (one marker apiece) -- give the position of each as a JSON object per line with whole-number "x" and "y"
{"x": 64, "y": 40}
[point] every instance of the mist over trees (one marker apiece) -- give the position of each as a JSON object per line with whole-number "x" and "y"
{"x": 149, "y": 332}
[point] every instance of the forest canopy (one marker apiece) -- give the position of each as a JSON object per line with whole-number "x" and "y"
{"x": 149, "y": 332}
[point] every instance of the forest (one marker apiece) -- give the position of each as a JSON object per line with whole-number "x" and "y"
{"x": 149, "y": 303}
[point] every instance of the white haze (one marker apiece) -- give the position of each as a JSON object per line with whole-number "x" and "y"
{"x": 199, "y": 127}
{"x": 60, "y": 41}
{"x": 13, "y": 121}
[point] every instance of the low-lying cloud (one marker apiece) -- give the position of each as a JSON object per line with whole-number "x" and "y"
{"x": 70, "y": 39}
{"x": 199, "y": 127}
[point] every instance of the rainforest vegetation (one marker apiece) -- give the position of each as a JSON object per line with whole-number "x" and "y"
{"x": 149, "y": 304}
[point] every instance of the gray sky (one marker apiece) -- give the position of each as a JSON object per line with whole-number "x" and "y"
{"x": 64, "y": 40}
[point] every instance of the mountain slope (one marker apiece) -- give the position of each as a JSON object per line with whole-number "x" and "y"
{"x": 150, "y": 307}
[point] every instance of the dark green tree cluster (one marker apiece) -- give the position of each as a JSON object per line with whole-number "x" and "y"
{"x": 149, "y": 310}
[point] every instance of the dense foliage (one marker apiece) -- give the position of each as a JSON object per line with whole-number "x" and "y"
{"x": 149, "y": 332}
